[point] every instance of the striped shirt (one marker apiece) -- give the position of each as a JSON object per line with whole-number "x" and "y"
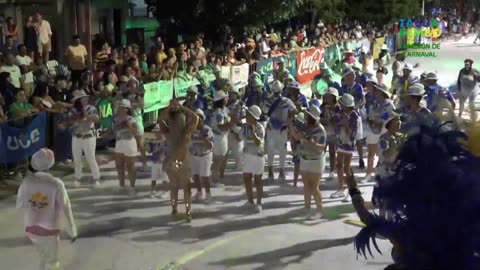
{"x": 250, "y": 147}
{"x": 101, "y": 60}
{"x": 346, "y": 141}
{"x": 412, "y": 120}
{"x": 83, "y": 126}
{"x": 121, "y": 130}
{"x": 197, "y": 146}
{"x": 279, "y": 116}
{"x": 219, "y": 117}
{"x": 329, "y": 117}
{"x": 318, "y": 134}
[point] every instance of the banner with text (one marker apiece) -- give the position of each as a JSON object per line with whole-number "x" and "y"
{"x": 182, "y": 82}
{"x": 267, "y": 66}
{"x": 240, "y": 74}
{"x": 309, "y": 63}
{"x": 157, "y": 95}
{"x": 21, "y": 143}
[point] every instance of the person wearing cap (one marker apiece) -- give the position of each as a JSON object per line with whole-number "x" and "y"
{"x": 125, "y": 129}
{"x": 376, "y": 117}
{"x": 253, "y": 135}
{"x": 468, "y": 88}
{"x": 347, "y": 129}
{"x": 221, "y": 123}
{"x": 313, "y": 140}
{"x": 178, "y": 123}
{"x": 45, "y": 202}
{"x": 76, "y": 57}
{"x": 158, "y": 148}
{"x": 235, "y": 144}
{"x": 416, "y": 114}
{"x": 384, "y": 57}
{"x": 201, "y": 157}
{"x": 401, "y": 85}
{"x": 331, "y": 112}
{"x": 295, "y": 95}
{"x": 355, "y": 89}
{"x": 348, "y": 58}
{"x": 278, "y": 109}
{"x": 82, "y": 119}
{"x": 436, "y": 94}
{"x": 280, "y": 73}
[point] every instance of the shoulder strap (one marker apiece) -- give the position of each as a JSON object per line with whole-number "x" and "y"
{"x": 274, "y": 106}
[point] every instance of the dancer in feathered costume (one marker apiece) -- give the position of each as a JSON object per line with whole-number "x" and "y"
{"x": 434, "y": 197}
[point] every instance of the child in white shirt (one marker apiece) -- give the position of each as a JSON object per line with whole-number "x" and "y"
{"x": 158, "y": 149}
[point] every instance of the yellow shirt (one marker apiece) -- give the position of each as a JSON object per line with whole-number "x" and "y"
{"x": 160, "y": 56}
{"x": 76, "y": 57}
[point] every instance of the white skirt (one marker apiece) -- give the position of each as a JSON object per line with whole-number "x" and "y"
{"x": 253, "y": 164}
{"x": 313, "y": 166}
{"x": 201, "y": 166}
{"x": 220, "y": 145}
{"x": 127, "y": 148}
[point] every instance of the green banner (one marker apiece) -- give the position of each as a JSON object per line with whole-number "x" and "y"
{"x": 157, "y": 95}
{"x": 321, "y": 85}
{"x": 104, "y": 107}
{"x": 182, "y": 82}
{"x": 268, "y": 65}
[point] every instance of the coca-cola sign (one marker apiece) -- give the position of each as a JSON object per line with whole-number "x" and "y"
{"x": 308, "y": 63}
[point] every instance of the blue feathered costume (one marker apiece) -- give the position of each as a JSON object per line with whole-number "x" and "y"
{"x": 435, "y": 197}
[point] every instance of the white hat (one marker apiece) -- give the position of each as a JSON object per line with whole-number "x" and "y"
{"x": 408, "y": 67}
{"x": 277, "y": 86}
{"x": 219, "y": 95}
{"x": 300, "y": 117}
{"x": 372, "y": 79}
{"x": 384, "y": 47}
{"x": 255, "y": 111}
{"x": 416, "y": 89}
{"x": 314, "y": 112}
{"x": 364, "y": 49}
{"x": 125, "y": 103}
{"x": 332, "y": 91}
{"x": 200, "y": 114}
{"x": 235, "y": 89}
{"x": 156, "y": 128}
{"x": 43, "y": 160}
{"x": 347, "y": 100}
{"x": 216, "y": 69}
{"x": 432, "y": 76}
{"x": 193, "y": 89}
{"x": 383, "y": 88}
{"x": 424, "y": 74}
{"x": 78, "y": 94}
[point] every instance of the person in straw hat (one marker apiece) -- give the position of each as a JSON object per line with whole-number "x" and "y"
{"x": 253, "y": 135}
{"x": 178, "y": 123}
{"x": 278, "y": 109}
{"x": 331, "y": 112}
{"x": 313, "y": 139}
{"x": 417, "y": 114}
{"x": 347, "y": 129}
{"x": 437, "y": 95}
{"x": 45, "y": 202}
{"x": 82, "y": 119}
{"x": 201, "y": 157}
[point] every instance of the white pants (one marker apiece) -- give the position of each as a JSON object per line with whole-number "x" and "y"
{"x": 220, "y": 145}
{"x": 47, "y": 247}
{"x": 236, "y": 147}
{"x": 253, "y": 164}
{"x": 85, "y": 146}
{"x": 277, "y": 143}
{"x": 158, "y": 172}
{"x": 201, "y": 166}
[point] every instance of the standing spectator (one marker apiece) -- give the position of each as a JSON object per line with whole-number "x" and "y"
{"x": 9, "y": 46}
{"x": 44, "y": 37}
{"x": 10, "y": 67}
{"x": 31, "y": 37}
{"x": 198, "y": 53}
{"x": 11, "y": 28}
{"x": 160, "y": 54}
{"x": 59, "y": 92}
{"x": 76, "y": 56}
{"x": 100, "y": 61}
{"x": 25, "y": 63}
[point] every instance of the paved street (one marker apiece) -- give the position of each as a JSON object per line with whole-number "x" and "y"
{"x": 118, "y": 232}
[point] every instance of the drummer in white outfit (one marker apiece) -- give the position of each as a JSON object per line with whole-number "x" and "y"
{"x": 313, "y": 140}
{"x": 221, "y": 124}
{"x": 253, "y": 135}
{"x": 378, "y": 113}
{"x": 201, "y": 157}
{"x": 235, "y": 144}
{"x": 82, "y": 118}
{"x": 278, "y": 109}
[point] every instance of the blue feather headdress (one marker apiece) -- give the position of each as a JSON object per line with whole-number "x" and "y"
{"x": 434, "y": 195}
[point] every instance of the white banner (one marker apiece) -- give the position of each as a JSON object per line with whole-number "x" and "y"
{"x": 240, "y": 75}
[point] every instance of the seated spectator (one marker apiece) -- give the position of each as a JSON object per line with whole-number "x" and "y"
{"x": 7, "y": 90}
{"x": 25, "y": 63}
{"x": 142, "y": 61}
{"x": 15, "y": 74}
{"x": 60, "y": 94}
{"x": 10, "y": 46}
{"x": 21, "y": 108}
{"x": 40, "y": 72}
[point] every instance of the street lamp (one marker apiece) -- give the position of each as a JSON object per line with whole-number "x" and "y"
{"x": 423, "y": 7}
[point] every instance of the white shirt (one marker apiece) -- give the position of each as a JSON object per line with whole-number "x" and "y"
{"x": 44, "y": 200}
{"x": 44, "y": 31}
{"x": 15, "y": 74}
{"x": 25, "y": 61}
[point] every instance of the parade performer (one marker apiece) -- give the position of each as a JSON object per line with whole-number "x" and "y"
{"x": 82, "y": 118}
{"x": 313, "y": 139}
{"x": 401, "y": 85}
{"x": 421, "y": 235}
{"x": 235, "y": 144}
{"x": 278, "y": 109}
{"x": 45, "y": 202}
{"x": 467, "y": 85}
{"x": 298, "y": 124}
{"x": 178, "y": 123}
{"x": 158, "y": 148}
{"x": 331, "y": 113}
{"x": 201, "y": 157}
{"x": 253, "y": 135}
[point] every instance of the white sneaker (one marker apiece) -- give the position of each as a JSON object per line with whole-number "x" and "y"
{"x": 331, "y": 175}
{"x": 97, "y": 184}
{"x": 153, "y": 194}
{"x": 163, "y": 195}
{"x": 198, "y": 196}
{"x": 367, "y": 179}
{"x": 208, "y": 198}
{"x": 337, "y": 194}
{"x": 77, "y": 183}
{"x": 317, "y": 216}
{"x": 67, "y": 161}
{"x": 347, "y": 198}
{"x": 258, "y": 208}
